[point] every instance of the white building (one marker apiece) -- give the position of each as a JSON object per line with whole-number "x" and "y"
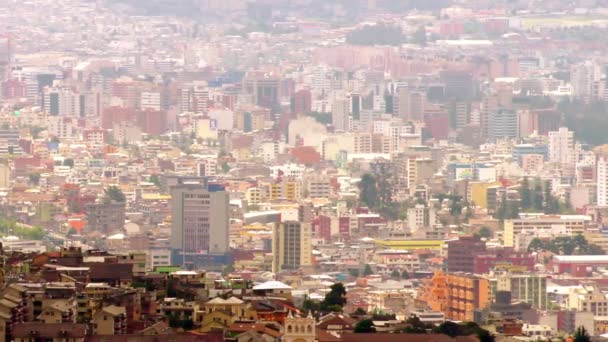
{"x": 561, "y": 146}
{"x": 585, "y": 80}
{"x": 602, "y": 175}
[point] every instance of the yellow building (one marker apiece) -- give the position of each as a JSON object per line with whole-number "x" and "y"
{"x": 478, "y": 193}
{"x": 291, "y": 245}
{"x": 410, "y": 244}
{"x": 204, "y": 129}
{"x": 285, "y": 190}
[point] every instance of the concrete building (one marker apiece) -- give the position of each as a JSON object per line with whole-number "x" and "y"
{"x": 5, "y": 175}
{"x": 200, "y": 224}
{"x": 530, "y": 288}
{"x": 503, "y": 123}
{"x": 420, "y": 217}
{"x": 561, "y": 146}
{"x": 291, "y": 245}
{"x": 589, "y": 298}
{"x": 105, "y": 217}
{"x": 601, "y": 164}
{"x": 462, "y": 252}
{"x": 555, "y": 224}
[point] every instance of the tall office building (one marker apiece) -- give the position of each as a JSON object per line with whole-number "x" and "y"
{"x": 61, "y": 100}
{"x": 199, "y": 233}
{"x": 291, "y": 245}
{"x": 410, "y": 104}
{"x": 264, "y": 88}
{"x": 561, "y": 146}
{"x": 503, "y": 123}
{"x": 585, "y": 79}
{"x": 462, "y": 252}
{"x": 601, "y": 163}
{"x": 195, "y": 98}
{"x": 340, "y": 114}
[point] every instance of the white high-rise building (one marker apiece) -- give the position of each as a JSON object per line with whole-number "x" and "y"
{"x": 601, "y": 164}
{"x": 561, "y": 146}
{"x": 61, "y": 100}
{"x": 340, "y": 114}
{"x": 585, "y": 80}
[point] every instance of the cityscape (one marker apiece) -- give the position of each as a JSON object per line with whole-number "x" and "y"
{"x": 303, "y": 170}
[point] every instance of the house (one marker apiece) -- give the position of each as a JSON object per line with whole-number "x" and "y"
{"x": 58, "y": 312}
{"x": 111, "y": 320}
{"x": 55, "y": 332}
{"x": 273, "y": 288}
{"x": 244, "y": 332}
{"x": 218, "y": 320}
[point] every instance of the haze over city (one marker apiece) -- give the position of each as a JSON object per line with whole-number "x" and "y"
{"x": 303, "y": 170}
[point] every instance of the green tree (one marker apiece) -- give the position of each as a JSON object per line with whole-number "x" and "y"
{"x": 449, "y": 328}
{"x": 525, "y": 194}
{"x": 321, "y": 117}
{"x": 380, "y": 34}
{"x": 360, "y": 312}
{"x": 405, "y": 275}
{"x": 68, "y": 162}
{"x": 485, "y": 232}
{"x": 336, "y": 297}
{"x": 113, "y": 193}
{"x": 368, "y": 270}
{"x": 34, "y": 178}
{"x": 364, "y": 327}
{"x": 416, "y": 326}
{"x": 581, "y": 335}
{"x": 310, "y": 305}
{"x": 395, "y": 274}
{"x": 368, "y": 194}
{"x": 537, "y": 196}
{"x": 419, "y": 37}
{"x": 154, "y": 179}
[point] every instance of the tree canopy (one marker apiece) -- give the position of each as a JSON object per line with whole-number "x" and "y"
{"x": 113, "y": 193}
{"x": 335, "y": 299}
{"x": 365, "y": 326}
{"x": 566, "y": 245}
{"x": 380, "y": 34}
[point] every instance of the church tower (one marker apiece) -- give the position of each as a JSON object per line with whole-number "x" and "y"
{"x": 299, "y": 329}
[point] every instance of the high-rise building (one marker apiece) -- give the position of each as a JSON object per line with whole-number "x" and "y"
{"x": 263, "y": 87}
{"x": 601, "y": 163}
{"x": 420, "y": 217}
{"x": 301, "y": 102}
{"x": 462, "y": 252}
{"x": 149, "y": 100}
{"x": 61, "y": 100}
{"x": 561, "y": 146}
{"x": 195, "y": 98}
{"x": 291, "y": 245}
{"x": 410, "y": 105}
{"x": 199, "y": 231}
{"x": 585, "y": 79}
{"x": 340, "y": 114}
{"x": 503, "y": 123}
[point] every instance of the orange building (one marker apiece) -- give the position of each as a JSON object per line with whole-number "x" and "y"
{"x": 466, "y": 293}
{"x": 435, "y": 292}
{"x": 457, "y": 295}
